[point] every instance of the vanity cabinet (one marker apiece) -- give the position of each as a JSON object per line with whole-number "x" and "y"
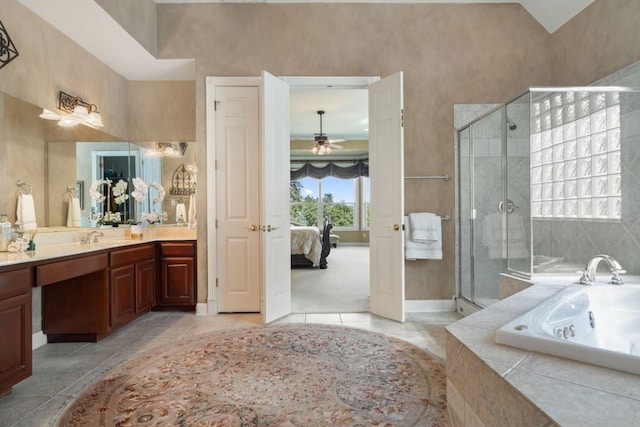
{"x": 177, "y": 286}
{"x": 15, "y": 330}
{"x": 75, "y": 298}
{"x": 132, "y": 283}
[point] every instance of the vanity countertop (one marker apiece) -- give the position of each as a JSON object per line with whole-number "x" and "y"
{"x": 67, "y": 243}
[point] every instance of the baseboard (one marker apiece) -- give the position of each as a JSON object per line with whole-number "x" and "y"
{"x": 429, "y": 305}
{"x": 38, "y": 339}
{"x": 202, "y": 309}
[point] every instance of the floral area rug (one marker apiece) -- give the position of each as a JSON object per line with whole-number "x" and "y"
{"x": 286, "y": 375}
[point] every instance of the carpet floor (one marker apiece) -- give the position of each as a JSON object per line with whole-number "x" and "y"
{"x": 342, "y": 288}
{"x": 282, "y": 375}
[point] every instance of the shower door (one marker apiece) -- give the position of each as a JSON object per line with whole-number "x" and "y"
{"x": 488, "y": 235}
{"x": 481, "y": 234}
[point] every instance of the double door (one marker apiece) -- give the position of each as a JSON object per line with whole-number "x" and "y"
{"x": 249, "y": 248}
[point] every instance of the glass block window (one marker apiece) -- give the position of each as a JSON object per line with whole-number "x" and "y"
{"x": 575, "y": 156}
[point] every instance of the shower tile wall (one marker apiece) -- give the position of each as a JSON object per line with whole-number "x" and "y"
{"x": 574, "y": 242}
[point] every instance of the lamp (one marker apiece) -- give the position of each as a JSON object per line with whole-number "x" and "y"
{"x": 79, "y": 111}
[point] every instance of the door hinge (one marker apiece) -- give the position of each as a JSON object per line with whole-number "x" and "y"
{"x": 402, "y": 118}
{"x": 216, "y": 282}
{"x": 216, "y": 223}
{"x": 215, "y": 105}
{"x": 215, "y": 165}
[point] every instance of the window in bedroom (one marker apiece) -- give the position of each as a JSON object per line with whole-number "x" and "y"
{"x": 336, "y": 199}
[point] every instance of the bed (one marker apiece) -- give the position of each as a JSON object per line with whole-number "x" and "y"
{"x": 309, "y": 247}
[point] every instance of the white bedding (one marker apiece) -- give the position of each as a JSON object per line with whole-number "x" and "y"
{"x": 308, "y": 242}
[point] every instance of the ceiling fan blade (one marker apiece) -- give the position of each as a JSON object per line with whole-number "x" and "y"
{"x": 336, "y": 146}
{"x": 334, "y": 140}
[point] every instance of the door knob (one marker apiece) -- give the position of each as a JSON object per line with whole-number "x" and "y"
{"x": 253, "y": 227}
{"x": 270, "y": 228}
{"x": 394, "y": 227}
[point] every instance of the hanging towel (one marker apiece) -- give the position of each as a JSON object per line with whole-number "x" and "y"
{"x": 192, "y": 211}
{"x": 492, "y": 234}
{"x": 181, "y": 213}
{"x": 517, "y": 242}
{"x": 26, "y": 213}
{"x": 74, "y": 216}
{"x": 425, "y": 227}
{"x": 420, "y": 250}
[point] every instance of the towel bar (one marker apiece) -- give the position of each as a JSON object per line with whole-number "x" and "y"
{"x": 443, "y": 177}
{"x": 443, "y": 218}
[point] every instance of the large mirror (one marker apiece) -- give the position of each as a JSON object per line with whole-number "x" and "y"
{"x": 59, "y": 163}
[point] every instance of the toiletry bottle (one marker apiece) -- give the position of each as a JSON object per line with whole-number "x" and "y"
{"x": 5, "y": 233}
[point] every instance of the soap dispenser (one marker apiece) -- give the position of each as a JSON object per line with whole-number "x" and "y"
{"x": 5, "y": 233}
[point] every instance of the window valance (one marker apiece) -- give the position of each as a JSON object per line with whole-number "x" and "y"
{"x": 359, "y": 168}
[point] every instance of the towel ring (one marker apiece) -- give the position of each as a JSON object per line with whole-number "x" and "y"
{"x": 69, "y": 192}
{"x": 23, "y": 187}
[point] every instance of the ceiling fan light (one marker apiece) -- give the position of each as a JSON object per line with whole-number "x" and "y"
{"x": 314, "y": 150}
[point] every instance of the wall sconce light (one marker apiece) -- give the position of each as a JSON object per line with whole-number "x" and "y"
{"x": 172, "y": 149}
{"x": 8, "y": 50}
{"x": 79, "y": 111}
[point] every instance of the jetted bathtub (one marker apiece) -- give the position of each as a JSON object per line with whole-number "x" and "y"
{"x": 598, "y": 324}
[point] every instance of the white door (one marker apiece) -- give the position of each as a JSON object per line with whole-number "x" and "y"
{"x": 386, "y": 170}
{"x": 276, "y": 232}
{"x": 238, "y": 198}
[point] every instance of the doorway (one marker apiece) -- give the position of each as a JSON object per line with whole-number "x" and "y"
{"x": 386, "y": 208}
{"x": 328, "y": 192}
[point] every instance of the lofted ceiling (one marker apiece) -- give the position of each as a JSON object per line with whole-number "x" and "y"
{"x": 85, "y": 22}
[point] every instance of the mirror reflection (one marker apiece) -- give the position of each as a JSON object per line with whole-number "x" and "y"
{"x": 83, "y": 177}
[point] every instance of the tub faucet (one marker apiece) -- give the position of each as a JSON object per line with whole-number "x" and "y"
{"x": 589, "y": 274}
{"x": 87, "y": 238}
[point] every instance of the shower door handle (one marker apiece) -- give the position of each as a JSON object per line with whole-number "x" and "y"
{"x": 510, "y": 206}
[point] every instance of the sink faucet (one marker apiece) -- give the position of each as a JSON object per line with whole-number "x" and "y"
{"x": 86, "y": 239}
{"x": 589, "y": 274}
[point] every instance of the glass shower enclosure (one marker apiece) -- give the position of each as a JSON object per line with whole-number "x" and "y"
{"x": 491, "y": 209}
{"x": 544, "y": 183}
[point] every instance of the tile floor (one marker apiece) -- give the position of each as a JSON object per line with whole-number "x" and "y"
{"x": 62, "y": 371}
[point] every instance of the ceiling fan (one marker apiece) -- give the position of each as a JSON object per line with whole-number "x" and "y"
{"x": 322, "y": 143}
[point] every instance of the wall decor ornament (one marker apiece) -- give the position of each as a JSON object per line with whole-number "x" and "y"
{"x": 8, "y": 51}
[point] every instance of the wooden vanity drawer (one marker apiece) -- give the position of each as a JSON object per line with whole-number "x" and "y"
{"x": 132, "y": 255}
{"x": 177, "y": 249}
{"x": 68, "y": 269}
{"x": 15, "y": 282}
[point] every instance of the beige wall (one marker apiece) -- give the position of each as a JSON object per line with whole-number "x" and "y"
{"x": 138, "y": 18}
{"x": 448, "y": 53}
{"x": 162, "y": 111}
{"x": 602, "y": 39}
